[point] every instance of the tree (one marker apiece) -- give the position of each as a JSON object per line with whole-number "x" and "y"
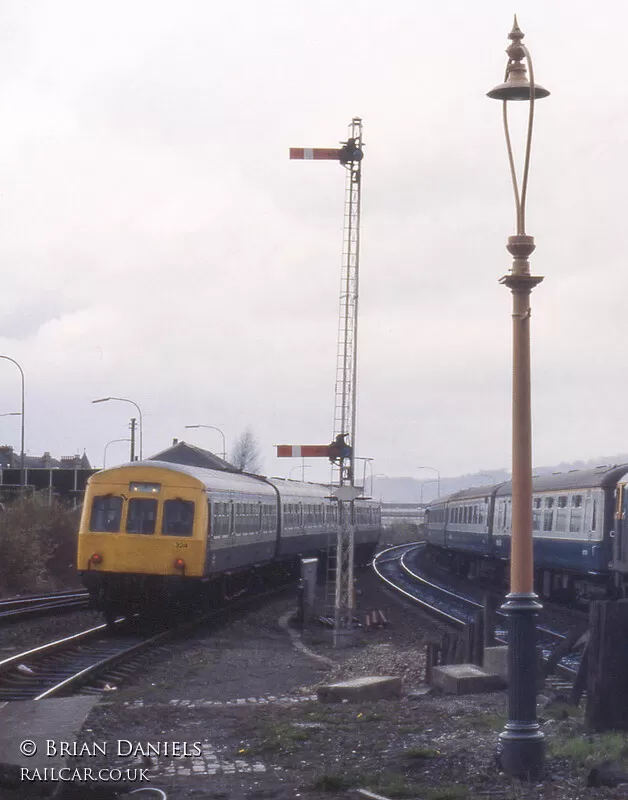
{"x": 246, "y": 455}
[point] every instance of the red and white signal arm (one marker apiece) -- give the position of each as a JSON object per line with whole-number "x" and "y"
{"x": 302, "y": 450}
{"x": 316, "y": 153}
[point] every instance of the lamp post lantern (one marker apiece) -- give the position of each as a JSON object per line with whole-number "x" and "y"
{"x": 521, "y": 741}
{"x": 22, "y": 454}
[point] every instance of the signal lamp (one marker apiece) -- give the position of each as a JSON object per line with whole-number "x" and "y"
{"x": 179, "y": 563}
{"x": 96, "y": 558}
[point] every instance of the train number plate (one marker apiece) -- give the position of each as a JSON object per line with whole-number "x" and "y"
{"x": 180, "y": 545}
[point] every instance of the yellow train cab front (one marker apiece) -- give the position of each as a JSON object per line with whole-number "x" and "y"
{"x": 144, "y": 520}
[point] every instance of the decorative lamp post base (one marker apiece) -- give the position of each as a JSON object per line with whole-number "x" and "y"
{"x": 522, "y": 743}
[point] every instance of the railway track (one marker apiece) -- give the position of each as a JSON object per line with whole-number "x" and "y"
{"x": 458, "y": 609}
{"x": 88, "y": 661}
{"x": 92, "y": 660}
{"x": 16, "y": 608}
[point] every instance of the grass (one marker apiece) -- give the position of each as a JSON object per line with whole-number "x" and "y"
{"x": 485, "y": 721}
{"x": 599, "y": 747}
{"x": 560, "y": 711}
{"x": 395, "y": 786}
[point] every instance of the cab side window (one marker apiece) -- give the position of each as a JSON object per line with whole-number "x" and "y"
{"x": 106, "y": 514}
{"x": 178, "y": 518}
{"x": 141, "y": 516}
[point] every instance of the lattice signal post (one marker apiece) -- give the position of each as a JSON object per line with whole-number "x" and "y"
{"x": 350, "y": 156}
{"x": 340, "y": 556}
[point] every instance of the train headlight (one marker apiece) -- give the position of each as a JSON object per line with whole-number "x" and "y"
{"x": 179, "y": 564}
{"x": 96, "y": 558}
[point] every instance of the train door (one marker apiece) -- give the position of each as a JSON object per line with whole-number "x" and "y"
{"x": 620, "y": 529}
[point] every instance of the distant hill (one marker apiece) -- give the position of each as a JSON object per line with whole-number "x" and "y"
{"x": 415, "y": 490}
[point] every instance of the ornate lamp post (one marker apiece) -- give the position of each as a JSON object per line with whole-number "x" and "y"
{"x": 125, "y": 400}
{"x": 522, "y": 741}
{"x": 22, "y": 468}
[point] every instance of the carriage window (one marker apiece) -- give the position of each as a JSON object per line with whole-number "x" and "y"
{"x": 178, "y": 518}
{"x": 106, "y": 513}
{"x": 536, "y": 514}
{"x": 141, "y": 516}
{"x": 562, "y": 512}
{"x": 548, "y": 516}
{"x": 222, "y": 518}
{"x": 575, "y": 522}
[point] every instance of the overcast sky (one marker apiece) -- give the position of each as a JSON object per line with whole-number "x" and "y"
{"x": 157, "y": 243}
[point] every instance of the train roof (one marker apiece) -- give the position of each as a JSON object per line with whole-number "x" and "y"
{"x": 213, "y": 479}
{"x": 288, "y": 488}
{"x": 604, "y": 475}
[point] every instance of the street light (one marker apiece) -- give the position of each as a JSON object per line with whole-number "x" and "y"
{"x": 521, "y": 741}
{"x": 302, "y": 467}
{"x": 104, "y": 456}
{"x": 11, "y": 414}
{"x": 125, "y": 400}
{"x": 22, "y": 469}
{"x": 437, "y": 472}
{"x": 369, "y": 462}
{"x": 425, "y": 483}
{"x": 213, "y": 428}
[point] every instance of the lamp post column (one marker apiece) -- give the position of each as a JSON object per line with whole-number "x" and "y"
{"x": 522, "y": 740}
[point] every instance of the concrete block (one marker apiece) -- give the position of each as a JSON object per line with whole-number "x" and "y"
{"x": 41, "y": 722}
{"x": 361, "y": 689}
{"x": 465, "y": 679}
{"x": 496, "y": 660}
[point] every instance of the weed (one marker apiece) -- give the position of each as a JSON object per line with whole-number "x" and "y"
{"x": 284, "y": 738}
{"x": 421, "y": 752}
{"x": 370, "y": 716}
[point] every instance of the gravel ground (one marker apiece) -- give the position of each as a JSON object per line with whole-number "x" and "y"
{"x": 16, "y": 636}
{"x": 244, "y": 693}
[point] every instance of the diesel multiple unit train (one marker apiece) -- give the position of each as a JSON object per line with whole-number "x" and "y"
{"x": 580, "y": 545}
{"x": 154, "y": 531}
